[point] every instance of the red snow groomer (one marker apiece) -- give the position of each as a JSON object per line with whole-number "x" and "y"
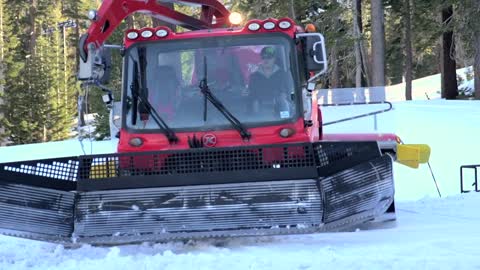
{"x": 221, "y": 136}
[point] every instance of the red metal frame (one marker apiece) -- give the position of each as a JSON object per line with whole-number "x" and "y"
{"x": 213, "y": 15}
{"x": 113, "y": 12}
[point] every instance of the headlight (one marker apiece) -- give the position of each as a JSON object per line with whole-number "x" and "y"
{"x": 269, "y": 25}
{"x": 136, "y": 142}
{"x": 92, "y": 15}
{"x": 235, "y": 18}
{"x": 284, "y": 24}
{"x": 253, "y": 26}
{"x": 161, "y": 33}
{"x": 132, "y": 35}
{"x": 147, "y": 34}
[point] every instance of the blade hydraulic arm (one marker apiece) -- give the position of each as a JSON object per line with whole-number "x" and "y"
{"x": 112, "y": 12}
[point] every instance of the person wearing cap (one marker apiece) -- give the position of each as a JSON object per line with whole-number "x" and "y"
{"x": 269, "y": 82}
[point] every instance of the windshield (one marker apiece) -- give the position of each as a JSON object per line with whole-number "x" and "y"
{"x": 251, "y": 76}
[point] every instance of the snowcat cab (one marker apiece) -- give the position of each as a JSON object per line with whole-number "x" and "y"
{"x": 203, "y": 152}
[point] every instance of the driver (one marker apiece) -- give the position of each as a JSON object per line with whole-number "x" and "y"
{"x": 269, "y": 82}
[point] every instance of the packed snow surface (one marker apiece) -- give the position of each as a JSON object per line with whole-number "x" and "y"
{"x": 430, "y": 232}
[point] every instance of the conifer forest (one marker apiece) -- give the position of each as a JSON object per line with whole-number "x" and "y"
{"x": 369, "y": 43}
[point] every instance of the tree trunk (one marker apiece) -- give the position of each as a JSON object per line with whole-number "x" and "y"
{"x": 358, "y": 51}
{"x": 32, "y": 30}
{"x": 335, "y": 76}
{"x": 2, "y": 52}
{"x": 408, "y": 51}
{"x": 2, "y": 45}
{"x": 449, "y": 72}
{"x": 291, "y": 10}
{"x": 378, "y": 44}
{"x": 476, "y": 69}
{"x": 364, "y": 56}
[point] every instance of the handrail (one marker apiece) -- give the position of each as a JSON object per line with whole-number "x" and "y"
{"x": 390, "y": 107}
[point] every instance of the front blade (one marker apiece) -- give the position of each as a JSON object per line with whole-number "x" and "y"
{"x": 163, "y": 212}
{"x": 254, "y": 190}
{"x": 35, "y": 212}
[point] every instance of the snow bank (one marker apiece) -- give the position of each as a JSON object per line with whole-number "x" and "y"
{"x": 431, "y": 233}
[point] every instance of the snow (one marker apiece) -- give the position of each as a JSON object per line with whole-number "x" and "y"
{"x": 430, "y": 232}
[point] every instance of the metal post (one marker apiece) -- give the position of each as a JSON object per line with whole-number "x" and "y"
{"x": 476, "y": 180}
{"x": 461, "y": 179}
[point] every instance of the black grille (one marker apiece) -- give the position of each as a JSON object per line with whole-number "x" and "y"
{"x": 58, "y": 173}
{"x": 197, "y": 166}
{"x": 191, "y": 167}
{"x": 197, "y": 161}
{"x": 337, "y": 156}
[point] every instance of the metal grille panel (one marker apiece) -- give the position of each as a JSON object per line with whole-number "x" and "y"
{"x": 36, "y": 210}
{"x": 332, "y": 157}
{"x": 199, "y": 208}
{"x": 359, "y": 189}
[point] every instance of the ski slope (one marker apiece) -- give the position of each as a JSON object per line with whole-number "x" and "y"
{"x": 430, "y": 232}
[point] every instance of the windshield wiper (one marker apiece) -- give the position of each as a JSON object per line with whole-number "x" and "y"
{"x": 140, "y": 94}
{"x": 220, "y": 107}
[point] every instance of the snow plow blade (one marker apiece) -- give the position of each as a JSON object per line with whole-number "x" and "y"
{"x": 196, "y": 193}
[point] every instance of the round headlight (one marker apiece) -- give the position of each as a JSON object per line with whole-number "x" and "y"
{"x": 161, "y": 33}
{"x": 92, "y": 15}
{"x": 235, "y": 18}
{"x": 132, "y": 35}
{"x": 147, "y": 34}
{"x": 284, "y": 24}
{"x": 136, "y": 142}
{"x": 253, "y": 26}
{"x": 286, "y": 132}
{"x": 269, "y": 25}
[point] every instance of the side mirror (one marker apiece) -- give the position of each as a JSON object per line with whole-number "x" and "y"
{"x": 315, "y": 52}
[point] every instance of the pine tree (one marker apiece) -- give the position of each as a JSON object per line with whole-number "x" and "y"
{"x": 468, "y": 30}
{"x": 37, "y": 98}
